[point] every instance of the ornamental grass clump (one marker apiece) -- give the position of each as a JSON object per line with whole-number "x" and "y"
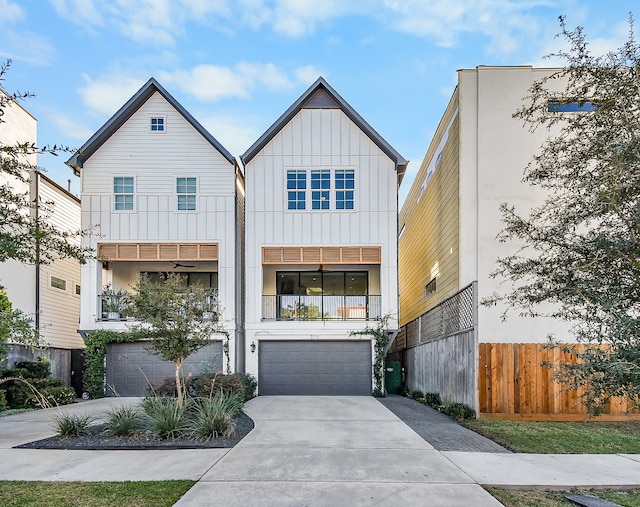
{"x": 124, "y": 421}
{"x": 73, "y": 425}
{"x": 167, "y": 417}
{"x": 213, "y": 417}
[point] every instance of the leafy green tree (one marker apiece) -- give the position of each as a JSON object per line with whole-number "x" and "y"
{"x": 26, "y": 234}
{"x": 14, "y": 326}
{"x": 582, "y": 245}
{"x": 177, "y": 320}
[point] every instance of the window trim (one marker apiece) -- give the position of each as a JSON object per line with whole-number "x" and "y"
{"x": 132, "y": 194}
{"x": 187, "y": 194}
{"x": 297, "y": 190}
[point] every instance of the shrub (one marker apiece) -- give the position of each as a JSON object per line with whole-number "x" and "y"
{"x": 55, "y": 395}
{"x": 231, "y": 383}
{"x": 124, "y": 421}
{"x": 166, "y": 417}
{"x": 41, "y": 368}
{"x": 77, "y": 425}
{"x": 433, "y": 400}
{"x": 3, "y": 401}
{"x": 416, "y": 394}
{"x": 458, "y": 411}
{"x": 212, "y": 417}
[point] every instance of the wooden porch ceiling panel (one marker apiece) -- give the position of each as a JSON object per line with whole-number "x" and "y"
{"x": 158, "y": 251}
{"x": 322, "y": 255}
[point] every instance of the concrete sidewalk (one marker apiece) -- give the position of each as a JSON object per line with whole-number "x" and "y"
{"x": 312, "y": 451}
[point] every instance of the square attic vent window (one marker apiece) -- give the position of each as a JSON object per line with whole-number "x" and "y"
{"x": 157, "y": 124}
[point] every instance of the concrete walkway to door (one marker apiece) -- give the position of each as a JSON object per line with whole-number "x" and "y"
{"x": 332, "y": 451}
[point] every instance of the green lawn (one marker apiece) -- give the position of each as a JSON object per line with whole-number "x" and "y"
{"x": 92, "y": 494}
{"x": 510, "y": 498}
{"x": 562, "y": 437}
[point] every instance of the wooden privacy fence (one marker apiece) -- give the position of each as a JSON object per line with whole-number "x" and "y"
{"x": 513, "y": 383}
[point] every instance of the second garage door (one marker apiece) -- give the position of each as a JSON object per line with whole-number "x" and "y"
{"x": 324, "y": 367}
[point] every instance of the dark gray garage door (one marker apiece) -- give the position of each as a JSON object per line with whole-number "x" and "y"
{"x": 315, "y": 367}
{"x": 131, "y": 367}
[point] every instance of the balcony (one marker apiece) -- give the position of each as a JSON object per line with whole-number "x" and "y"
{"x": 303, "y": 307}
{"x": 113, "y": 307}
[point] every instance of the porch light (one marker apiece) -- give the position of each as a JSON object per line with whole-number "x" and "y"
{"x": 252, "y": 347}
{"x": 225, "y": 347}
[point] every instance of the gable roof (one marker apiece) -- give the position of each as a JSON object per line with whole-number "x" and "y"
{"x": 321, "y": 95}
{"x": 76, "y": 162}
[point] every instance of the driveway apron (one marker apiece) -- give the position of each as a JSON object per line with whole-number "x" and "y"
{"x": 332, "y": 450}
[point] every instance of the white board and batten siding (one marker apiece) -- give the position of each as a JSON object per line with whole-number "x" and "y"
{"x": 320, "y": 139}
{"x": 155, "y": 160}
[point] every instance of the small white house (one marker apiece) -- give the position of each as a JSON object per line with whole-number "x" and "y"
{"x": 161, "y": 195}
{"x": 321, "y": 256}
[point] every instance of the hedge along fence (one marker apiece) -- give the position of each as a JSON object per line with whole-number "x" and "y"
{"x": 514, "y": 383}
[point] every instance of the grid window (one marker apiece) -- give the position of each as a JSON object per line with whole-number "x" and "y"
{"x": 320, "y": 186}
{"x": 345, "y": 188}
{"x": 157, "y": 124}
{"x": 296, "y": 189}
{"x": 123, "y": 193}
{"x": 186, "y": 188}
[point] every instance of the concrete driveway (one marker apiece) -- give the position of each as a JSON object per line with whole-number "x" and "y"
{"x": 332, "y": 451}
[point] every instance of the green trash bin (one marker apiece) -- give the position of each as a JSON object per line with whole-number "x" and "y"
{"x": 393, "y": 377}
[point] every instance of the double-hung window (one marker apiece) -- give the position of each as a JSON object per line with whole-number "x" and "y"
{"x": 345, "y": 188}
{"x": 186, "y": 190}
{"x": 296, "y": 189}
{"x": 320, "y": 187}
{"x": 123, "y": 193}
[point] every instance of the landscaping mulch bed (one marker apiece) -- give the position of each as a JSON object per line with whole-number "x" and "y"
{"x": 100, "y": 439}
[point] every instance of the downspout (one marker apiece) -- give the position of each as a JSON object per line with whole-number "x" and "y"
{"x": 37, "y": 245}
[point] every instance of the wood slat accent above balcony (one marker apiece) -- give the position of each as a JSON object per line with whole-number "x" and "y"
{"x": 322, "y": 255}
{"x": 158, "y": 251}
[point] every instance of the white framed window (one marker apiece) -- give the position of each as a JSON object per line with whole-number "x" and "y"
{"x": 77, "y": 289}
{"x": 296, "y": 189}
{"x": 345, "y": 189}
{"x": 158, "y": 124}
{"x": 186, "y": 189}
{"x": 123, "y": 192}
{"x": 57, "y": 283}
{"x": 320, "y": 189}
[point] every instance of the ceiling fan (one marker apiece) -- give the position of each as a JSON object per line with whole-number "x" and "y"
{"x": 321, "y": 269}
{"x": 179, "y": 265}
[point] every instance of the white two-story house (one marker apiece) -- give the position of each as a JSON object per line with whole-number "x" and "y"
{"x": 49, "y": 294}
{"x": 161, "y": 195}
{"x": 321, "y": 256}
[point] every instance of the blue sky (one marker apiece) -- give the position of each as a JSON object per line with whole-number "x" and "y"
{"x": 236, "y": 65}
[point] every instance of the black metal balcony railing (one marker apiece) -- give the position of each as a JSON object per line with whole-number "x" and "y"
{"x": 302, "y": 307}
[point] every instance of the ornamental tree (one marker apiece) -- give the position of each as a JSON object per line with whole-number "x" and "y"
{"x": 177, "y": 320}
{"x": 581, "y": 248}
{"x": 26, "y": 234}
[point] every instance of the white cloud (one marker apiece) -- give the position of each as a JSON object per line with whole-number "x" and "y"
{"x": 27, "y": 47}
{"x": 235, "y": 133}
{"x": 211, "y": 83}
{"x": 508, "y": 24}
{"x": 67, "y": 126}
{"x": 107, "y": 95}
{"x": 81, "y": 12}
{"x": 308, "y": 74}
{"x": 154, "y": 22}
{"x": 11, "y": 12}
